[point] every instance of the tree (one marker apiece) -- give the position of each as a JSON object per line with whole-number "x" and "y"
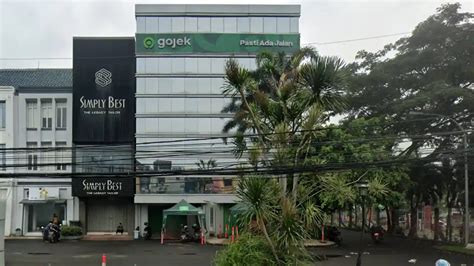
{"x": 283, "y": 101}
{"x": 205, "y": 166}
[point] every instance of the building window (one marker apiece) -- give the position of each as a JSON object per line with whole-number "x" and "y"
{"x": 47, "y": 156}
{"x": 3, "y": 158}
{"x": 61, "y": 156}
{"x": 2, "y": 114}
{"x": 61, "y": 116}
{"x": 31, "y": 111}
{"x": 32, "y": 156}
{"x": 46, "y": 114}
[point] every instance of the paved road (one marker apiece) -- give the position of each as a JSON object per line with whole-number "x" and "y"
{"x": 393, "y": 251}
{"x": 119, "y": 253}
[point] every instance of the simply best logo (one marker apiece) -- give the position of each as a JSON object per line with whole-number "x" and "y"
{"x": 103, "y": 77}
{"x": 161, "y": 43}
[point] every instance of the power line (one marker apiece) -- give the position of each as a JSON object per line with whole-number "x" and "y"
{"x": 358, "y": 39}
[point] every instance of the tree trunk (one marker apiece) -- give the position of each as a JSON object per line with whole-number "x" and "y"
{"x": 377, "y": 217}
{"x": 395, "y": 219}
{"x": 449, "y": 226}
{"x": 436, "y": 223}
{"x": 332, "y": 218}
{"x": 413, "y": 222}
{"x": 356, "y": 218}
{"x": 264, "y": 229}
{"x": 351, "y": 223}
{"x": 340, "y": 218}
{"x": 389, "y": 220}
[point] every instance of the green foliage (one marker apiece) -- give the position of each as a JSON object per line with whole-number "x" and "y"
{"x": 249, "y": 250}
{"x": 71, "y": 230}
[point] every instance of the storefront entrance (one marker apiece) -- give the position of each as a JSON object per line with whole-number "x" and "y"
{"x": 104, "y": 215}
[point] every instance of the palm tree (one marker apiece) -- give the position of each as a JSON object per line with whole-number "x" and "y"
{"x": 288, "y": 95}
{"x": 204, "y": 166}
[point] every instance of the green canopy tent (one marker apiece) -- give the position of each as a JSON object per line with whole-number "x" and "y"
{"x": 235, "y": 210}
{"x": 185, "y": 209}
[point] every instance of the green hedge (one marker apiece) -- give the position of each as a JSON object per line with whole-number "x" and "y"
{"x": 71, "y": 230}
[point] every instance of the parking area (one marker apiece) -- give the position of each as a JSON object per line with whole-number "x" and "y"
{"x": 119, "y": 253}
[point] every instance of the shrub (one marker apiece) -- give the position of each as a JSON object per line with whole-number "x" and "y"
{"x": 71, "y": 230}
{"x": 248, "y": 250}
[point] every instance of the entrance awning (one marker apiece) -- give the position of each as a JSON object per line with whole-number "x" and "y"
{"x": 53, "y": 201}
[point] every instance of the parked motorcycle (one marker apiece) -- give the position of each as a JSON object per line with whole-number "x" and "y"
{"x": 53, "y": 233}
{"x": 377, "y": 233}
{"x": 188, "y": 235}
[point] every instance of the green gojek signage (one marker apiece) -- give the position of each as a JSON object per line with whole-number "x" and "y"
{"x": 215, "y": 43}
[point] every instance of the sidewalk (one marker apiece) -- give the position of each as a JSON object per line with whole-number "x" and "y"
{"x": 308, "y": 243}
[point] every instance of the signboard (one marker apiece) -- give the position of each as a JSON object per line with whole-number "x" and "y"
{"x": 215, "y": 43}
{"x": 103, "y": 187}
{"x": 103, "y": 90}
{"x": 43, "y": 193}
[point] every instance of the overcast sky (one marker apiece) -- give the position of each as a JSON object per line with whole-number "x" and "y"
{"x": 44, "y": 29}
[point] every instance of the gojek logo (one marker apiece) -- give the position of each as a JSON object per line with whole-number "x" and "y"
{"x": 149, "y": 42}
{"x": 103, "y": 77}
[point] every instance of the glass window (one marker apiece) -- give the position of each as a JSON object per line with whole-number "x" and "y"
{"x": 164, "y": 105}
{"x": 177, "y": 85}
{"x": 204, "y": 105}
{"x": 164, "y": 24}
{"x": 164, "y": 65}
{"x": 152, "y": 105}
{"x": 40, "y": 214}
{"x": 283, "y": 25}
{"x": 61, "y": 114}
{"x": 218, "y": 65}
{"x": 177, "y": 105}
{"x": 217, "y": 104}
{"x": 151, "y": 65}
{"x": 2, "y": 114}
{"x": 177, "y": 65}
{"x": 140, "y": 65}
{"x": 31, "y": 112}
{"x": 151, "y": 25}
{"x": 190, "y": 85}
{"x": 141, "y": 25}
{"x": 177, "y": 24}
{"x": 256, "y": 25}
{"x": 62, "y": 155}
{"x": 3, "y": 158}
{"x": 243, "y": 24}
{"x": 269, "y": 25}
{"x": 230, "y": 25}
{"x": 164, "y": 85}
{"x": 204, "y": 24}
{"x": 191, "y": 65}
{"x": 32, "y": 157}
{"x": 191, "y": 105}
{"x": 203, "y": 85}
{"x": 151, "y": 85}
{"x": 294, "y": 25}
{"x": 204, "y": 65}
{"x": 204, "y": 125}
{"x": 141, "y": 105}
{"x": 190, "y": 24}
{"x": 217, "y": 25}
{"x": 216, "y": 85}
{"x": 46, "y": 114}
{"x": 141, "y": 86}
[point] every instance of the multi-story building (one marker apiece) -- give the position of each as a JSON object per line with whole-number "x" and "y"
{"x": 35, "y": 139}
{"x": 181, "y": 52}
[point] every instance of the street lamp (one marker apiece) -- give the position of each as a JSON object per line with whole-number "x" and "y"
{"x": 363, "y": 187}
{"x": 466, "y": 175}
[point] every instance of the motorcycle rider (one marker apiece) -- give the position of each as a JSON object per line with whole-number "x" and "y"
{"x": 148, "y": 231}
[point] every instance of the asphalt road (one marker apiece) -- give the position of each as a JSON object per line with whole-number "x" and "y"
{"x": 392, "y": 252}
{"x": 119, "y": 253}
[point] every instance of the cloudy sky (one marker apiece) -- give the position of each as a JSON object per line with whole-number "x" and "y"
{"x": 39, "y": 32}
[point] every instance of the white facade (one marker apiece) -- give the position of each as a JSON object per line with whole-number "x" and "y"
{"x": 38, "y": 120}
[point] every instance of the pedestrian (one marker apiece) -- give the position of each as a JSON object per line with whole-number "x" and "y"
{"x": 119, "y": 229}
{"x": 55, "y": 219}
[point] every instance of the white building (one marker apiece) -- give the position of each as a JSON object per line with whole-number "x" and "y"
{"x": 35, "y": 123}
{"x": 181, "y": 53}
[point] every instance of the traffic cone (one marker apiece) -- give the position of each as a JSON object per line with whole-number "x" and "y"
{"x": 162, "y": 236}
{"x": 202, "y": 237}
{"x": 104, "y": 260}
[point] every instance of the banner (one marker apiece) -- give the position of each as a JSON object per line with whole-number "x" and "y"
{"x": 103, "y": 90}
{"x": 102, "y": 187}
{"x": 148, "y": 44}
